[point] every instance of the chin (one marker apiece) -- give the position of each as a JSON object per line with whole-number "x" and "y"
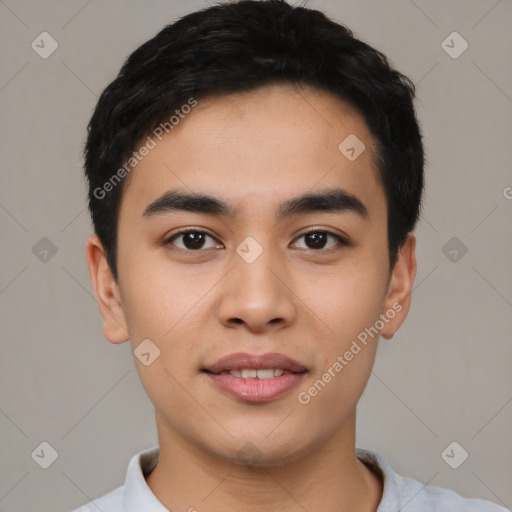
{"x": 260, "y": 452}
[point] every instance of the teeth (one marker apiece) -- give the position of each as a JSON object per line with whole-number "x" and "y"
{"x": 267, "y": 373}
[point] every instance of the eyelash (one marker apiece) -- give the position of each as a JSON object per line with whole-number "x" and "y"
{"x": 342, "y": 241}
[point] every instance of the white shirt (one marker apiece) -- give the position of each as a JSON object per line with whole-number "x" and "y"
{"x": 399, "y": 494}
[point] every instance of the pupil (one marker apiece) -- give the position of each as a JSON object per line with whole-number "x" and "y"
{"x": 193, "y": 240}
{"x": 319, "y": 239}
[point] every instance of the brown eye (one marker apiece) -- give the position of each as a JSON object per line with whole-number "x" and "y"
{"x": 317, "y": 239}
{"x": 192, "y": 240}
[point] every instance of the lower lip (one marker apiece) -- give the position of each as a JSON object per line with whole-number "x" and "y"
{"x": 256, "y": 390}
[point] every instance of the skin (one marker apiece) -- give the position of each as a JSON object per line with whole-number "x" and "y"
{"x": 255, "y": 150}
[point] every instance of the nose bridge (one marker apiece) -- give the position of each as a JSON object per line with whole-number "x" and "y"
{"x": 254, "y": 291}
{"x": 255, "y": 265}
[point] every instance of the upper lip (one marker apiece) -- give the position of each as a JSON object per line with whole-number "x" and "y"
{"x": 241, "y": 360}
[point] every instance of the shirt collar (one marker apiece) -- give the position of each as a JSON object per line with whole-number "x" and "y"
{"x": 391, "y": 488}
{"x": 137, "y": 495}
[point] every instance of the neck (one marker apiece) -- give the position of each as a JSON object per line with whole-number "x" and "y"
{"x": 329, "y": 477}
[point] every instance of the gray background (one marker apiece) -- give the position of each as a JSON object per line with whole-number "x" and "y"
{"x": 445, "y": 376}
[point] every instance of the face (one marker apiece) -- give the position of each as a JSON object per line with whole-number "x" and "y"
{"x": 263, "y": 280}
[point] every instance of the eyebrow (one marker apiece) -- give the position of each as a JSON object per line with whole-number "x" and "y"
{"x": 329, "y": 200}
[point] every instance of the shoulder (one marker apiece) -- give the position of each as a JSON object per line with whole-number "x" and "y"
{"x": 110, "y": 502}
{"x": 429, "y": 498}
{"x": 409, "y": 494}
{"x": 134, "y": 495}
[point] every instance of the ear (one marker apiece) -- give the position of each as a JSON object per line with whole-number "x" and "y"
{"x": 398, "y": 297}
{"x": 107, "y": 292}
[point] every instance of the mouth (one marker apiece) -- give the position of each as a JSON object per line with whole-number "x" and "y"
{"x": 253, "y": 373}
{"x": 253, "y": 379}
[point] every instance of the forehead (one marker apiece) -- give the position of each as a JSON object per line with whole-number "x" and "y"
{"x": 270, "y": 143}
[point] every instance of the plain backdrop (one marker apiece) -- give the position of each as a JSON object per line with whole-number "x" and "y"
{"x": 445, "y": 376}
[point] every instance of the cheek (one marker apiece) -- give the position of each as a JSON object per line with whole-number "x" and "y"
{"x": 350, "y": 301}
{"x": 165, "y": 307}
{"x": 156, "y": 297}
{"x": 161, "y": 311}
{"x": 350, "y": 307}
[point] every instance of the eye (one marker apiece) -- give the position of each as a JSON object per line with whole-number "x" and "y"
{"x": 193, "y": 240}
{"x": 317, "y": 239}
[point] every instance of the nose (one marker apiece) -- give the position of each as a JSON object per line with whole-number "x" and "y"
{"x": 258, "y": 295}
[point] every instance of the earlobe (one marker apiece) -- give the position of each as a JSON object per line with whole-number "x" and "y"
{"x": 107, "y": 292}
{"x": 398, "y": 298}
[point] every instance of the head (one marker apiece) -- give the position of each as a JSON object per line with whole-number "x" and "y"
{"x": 287, "y": 122}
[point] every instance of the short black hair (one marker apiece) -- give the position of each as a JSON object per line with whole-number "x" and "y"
{"x": 239, "y": 46}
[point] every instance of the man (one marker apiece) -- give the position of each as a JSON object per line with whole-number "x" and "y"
{"x": 255, "y": 175}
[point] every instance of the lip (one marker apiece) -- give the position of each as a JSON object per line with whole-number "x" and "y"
{"x": 241, "y": 360}
{"x": 255, "y": 390}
